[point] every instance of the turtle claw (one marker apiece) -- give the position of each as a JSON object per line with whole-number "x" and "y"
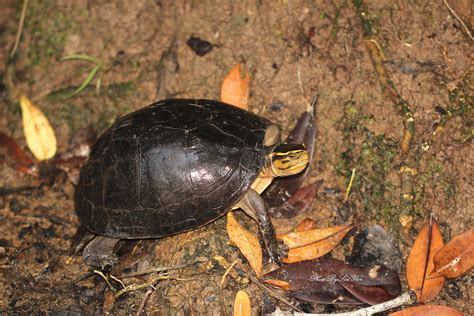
{"x": 278, "y": 252}
{"x": 103, "y": 262}
{"x": 100, "y": 253}
{"x": 282, "y": 249}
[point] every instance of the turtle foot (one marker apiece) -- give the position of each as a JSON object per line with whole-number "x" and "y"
{"x": 100, "y": 253}
{"x": 277, "y": 252}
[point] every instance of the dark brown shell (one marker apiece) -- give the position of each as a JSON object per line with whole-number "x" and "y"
{"x": 169, "y": 167}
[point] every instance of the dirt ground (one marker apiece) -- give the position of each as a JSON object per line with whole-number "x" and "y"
{"x": 293, "y": 50}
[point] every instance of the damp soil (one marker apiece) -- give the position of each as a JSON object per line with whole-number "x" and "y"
{"x": 294, "y": 50}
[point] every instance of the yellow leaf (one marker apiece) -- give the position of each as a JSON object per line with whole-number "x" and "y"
{"x": 39, "y": 134}
{"x": 318, "y": 248}
{"x": 306, "y": 224}
{"x": 302, "y": 238}
{"x": 235, "y": 88}
{"x": 242, "y": 305}
{"x": 246, "y": 242}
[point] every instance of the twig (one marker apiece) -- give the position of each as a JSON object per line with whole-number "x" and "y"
{"x": 407, "y": 195}
{"x": 100, "y": 273}
{"x": 348, "y": 190}
{"x": 145, "y": 299}
{"x": 232, "y": 273}
{"x": 153, "y": 284}
{"x": 407, "y": 298}
{"x": 300, "y": 83}
{"x": 117, "y": 280}
{"x": 221, "y": 286}
{"x": 387, "y": 84}
{"x": 19, "y": 190}
{"x": 466, "y": 28}
{"x": 272, "y": 293}
{"x": 224, "y": 263}
{"x": 152, "y": 287}
{"x": 20, "y": 29}
{"x": 153, "y": 270}
{"x": 136, "y": 287}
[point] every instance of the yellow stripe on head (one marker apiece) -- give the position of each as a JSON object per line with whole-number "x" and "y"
{"x": 288, "y": 159}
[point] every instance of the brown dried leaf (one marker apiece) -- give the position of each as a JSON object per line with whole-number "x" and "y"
{"x": 326, "y": 280}
{"x": 235, "y": 88}
{"x": 456, "y": 257}
{"x": 21, "y": 160}
{"x": 306, "y": 224}
{"x": 242, "y": 306}
{"x": 39, "y": 134}
{"x": 246, "y": 242}
{"x": 428, "y": 310}
{"x": 314, "y": 243}
{"x": 368, "y": 294}
{"x": 281, "y": 284}
{"x": 420, "y": 263}
{"x": 297, "y": 203}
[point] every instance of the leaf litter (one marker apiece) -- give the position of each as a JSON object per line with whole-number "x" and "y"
{"x": 289, "y": 105}
{"x": 420, "y": 263}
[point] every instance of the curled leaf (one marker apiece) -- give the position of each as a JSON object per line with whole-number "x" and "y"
{"x": 456, "y": 257}
{"x": 306, "y": 224}
{"x": 39, "y": 134}
{"x": 283, "y": 188}
{"x": 242, "y": 306}
{"x": 327, "y": 280}
{"x": 313, "y": 243}
{"x": 246, "y": 242}
{"x": 368, "y": 294}
{"x": 420, "y": 263}
{"x": 306, "y": 237}
{"x": 298, "y": 203}
{"x": 235, "y": 88}
{"x": 281, "y": 284}
{"x": 21, "y": 160}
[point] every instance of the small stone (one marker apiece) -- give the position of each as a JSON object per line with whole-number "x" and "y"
{"x": 16, "y": 206}
{"x": 276, "y": 106}
{"x": 199, "y": 46}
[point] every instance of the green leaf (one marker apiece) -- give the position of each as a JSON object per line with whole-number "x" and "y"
{"x": 86, "y": 82}
{"x": 81, "y": 57}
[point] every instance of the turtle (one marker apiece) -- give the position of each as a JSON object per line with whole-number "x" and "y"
{"x": 179, "y": 164}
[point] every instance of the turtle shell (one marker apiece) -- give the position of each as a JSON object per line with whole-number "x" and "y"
{"x": 169, "y": 167}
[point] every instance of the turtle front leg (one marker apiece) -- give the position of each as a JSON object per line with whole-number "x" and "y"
{"x": 254, "y": 206}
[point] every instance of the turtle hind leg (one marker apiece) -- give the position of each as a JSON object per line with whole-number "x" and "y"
{"x": 254, "y": 206}
{"x": 101, "y": 252}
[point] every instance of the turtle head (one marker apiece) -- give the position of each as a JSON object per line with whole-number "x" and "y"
{"x": 286, "y": 160}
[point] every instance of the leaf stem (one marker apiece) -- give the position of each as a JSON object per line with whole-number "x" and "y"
{"x": 406, "y": 298}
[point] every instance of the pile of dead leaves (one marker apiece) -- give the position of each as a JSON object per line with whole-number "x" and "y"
{"x": 312, "y": 276}
{"x": 309, "y": 273}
